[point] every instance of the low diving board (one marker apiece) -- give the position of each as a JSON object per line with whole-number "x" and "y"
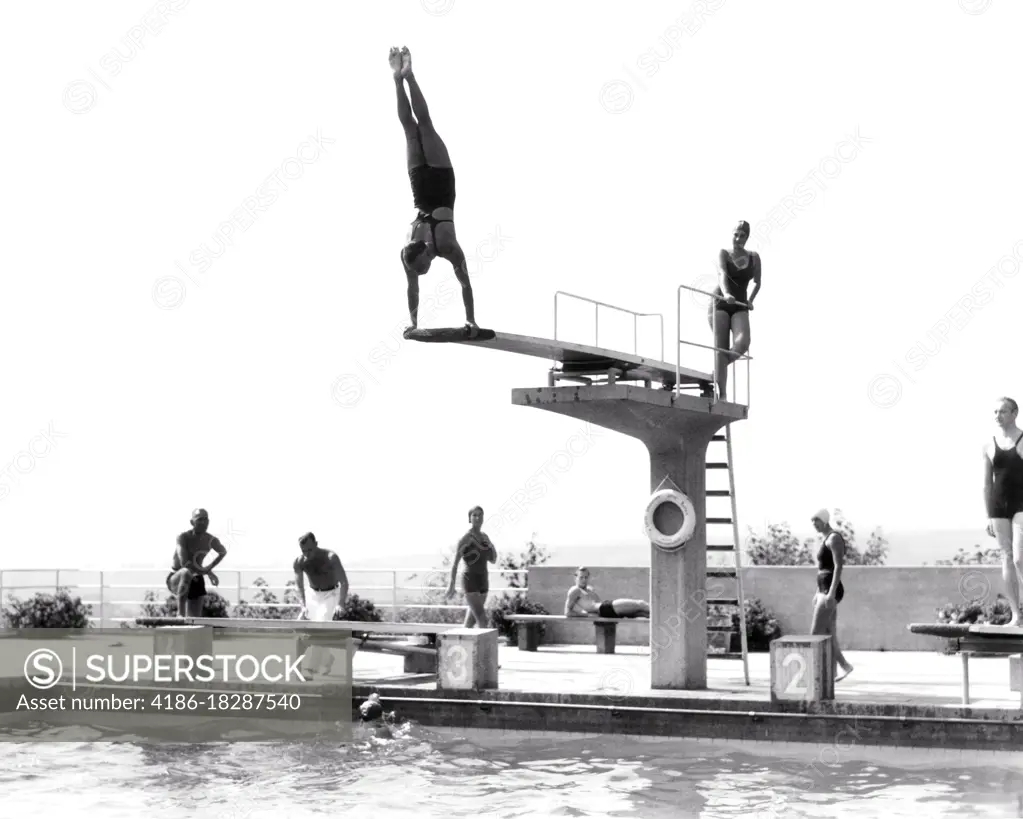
{"x": 582, "y": 363}
{"x": 967, "y": 639}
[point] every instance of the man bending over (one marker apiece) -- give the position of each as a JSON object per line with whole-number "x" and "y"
{"x": 583, "y": 601}
{"x": 325, "y": 598}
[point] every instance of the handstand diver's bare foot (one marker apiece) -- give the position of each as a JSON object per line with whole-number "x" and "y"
{"x": 394, "y": 60}
{"x": 409, "y": 330}
{"x": 406, "y": 62}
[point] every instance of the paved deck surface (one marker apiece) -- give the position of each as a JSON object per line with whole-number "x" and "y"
{"x": 897, "y": 678}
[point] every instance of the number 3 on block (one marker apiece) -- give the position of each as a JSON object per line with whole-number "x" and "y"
{"x": 457, "y": 664}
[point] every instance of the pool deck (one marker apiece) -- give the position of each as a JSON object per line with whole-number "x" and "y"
{"x": 891, "y": 698}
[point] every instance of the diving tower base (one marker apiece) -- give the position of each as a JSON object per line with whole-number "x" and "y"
{"x": 676, "y": 430}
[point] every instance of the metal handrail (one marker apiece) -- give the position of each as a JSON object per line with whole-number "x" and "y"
{"x": 596, "y": 320}
{"x": 678, "y": 352}
{"x": 237, "y": 588}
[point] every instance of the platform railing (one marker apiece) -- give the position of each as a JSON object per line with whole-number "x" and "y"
{"x": 596, "y": 320}
{"x": 713, "y": 369}
{"x": 102, "y": 602}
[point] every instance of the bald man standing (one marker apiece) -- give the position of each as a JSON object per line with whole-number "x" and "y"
{"x": 186, "y": 579}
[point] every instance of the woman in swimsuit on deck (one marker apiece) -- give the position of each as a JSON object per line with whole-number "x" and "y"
{"x": 729, "y": 313}
{"x": 433, "y": 190}
{"x": 830, "y": 591}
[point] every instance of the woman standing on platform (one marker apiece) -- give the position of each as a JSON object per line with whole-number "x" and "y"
{"x": 476, "y": 550}
{"x": 830, "y": 591}
{"x": 729, "y": 309}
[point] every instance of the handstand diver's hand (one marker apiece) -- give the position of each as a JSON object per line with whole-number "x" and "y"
{"x": 730, "y": 299}
{"x": 213, "y": 578}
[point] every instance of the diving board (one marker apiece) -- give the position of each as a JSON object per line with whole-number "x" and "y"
{"x": 255, "y": 624}
{"x": 581, "y": 362}
{"x": 967, "y": 639}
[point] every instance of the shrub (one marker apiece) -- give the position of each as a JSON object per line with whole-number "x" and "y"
{"x": 995, "y": 614}
{"x": 423, "y": 614}
{"x": 360, "y": 610}
{"x": 213, "y": 605}
{"x": 761, "y": 625}
{"x": 59, "y": 610}
{"x": 264, "y": 605}
{"x": 513, "y": 604}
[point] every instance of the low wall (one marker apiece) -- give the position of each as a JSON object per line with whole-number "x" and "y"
{"x": 879, "y": 602}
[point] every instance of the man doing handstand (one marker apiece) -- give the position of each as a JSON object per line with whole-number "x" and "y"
{"x": 433, "y": 190}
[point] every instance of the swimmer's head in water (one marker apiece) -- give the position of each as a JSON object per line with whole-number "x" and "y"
{"x": 307, "y": 543}
{"x": 820, "y": 520}
{"x": 371, "y": 709}
{"x": 1005, "y": 411}
{"x": 416, "y": 257}
{"x": 740, "y": 234}
{"x": 200, "y": 520}
{"x": 582, "y": 577}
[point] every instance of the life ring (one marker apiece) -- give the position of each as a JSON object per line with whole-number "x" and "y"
{"x": 670, "y": 541}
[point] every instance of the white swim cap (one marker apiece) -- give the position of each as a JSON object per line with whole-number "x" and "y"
{"x": 822, "y": 515}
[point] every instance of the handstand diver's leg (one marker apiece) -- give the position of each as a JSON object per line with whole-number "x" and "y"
{"x": 434, "y": 149}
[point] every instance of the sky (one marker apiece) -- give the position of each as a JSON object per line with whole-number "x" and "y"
{"x": 203, "y": 302}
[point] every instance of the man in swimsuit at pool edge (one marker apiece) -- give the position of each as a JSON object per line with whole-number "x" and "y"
{"x": 1003, "y": 498}
{"x": 583, "y": 601}
{"x": 433, "y": 190}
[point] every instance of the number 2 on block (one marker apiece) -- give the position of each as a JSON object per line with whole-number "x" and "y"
{"x": 795, "y": 685}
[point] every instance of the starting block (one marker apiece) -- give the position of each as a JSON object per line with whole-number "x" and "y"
{"x": 467, "y": 659}
{"x": 802, "y": 668}
{"x": 188, "y": 641}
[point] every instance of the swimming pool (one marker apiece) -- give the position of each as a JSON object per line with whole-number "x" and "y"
{"x": 425, "y": 772}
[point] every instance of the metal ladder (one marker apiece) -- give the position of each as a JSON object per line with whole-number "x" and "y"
{"x": 734, "y": 547}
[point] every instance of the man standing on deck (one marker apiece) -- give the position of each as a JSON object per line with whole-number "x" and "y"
{"x": 325, "y": 598}
{"x": 185, "y": 580}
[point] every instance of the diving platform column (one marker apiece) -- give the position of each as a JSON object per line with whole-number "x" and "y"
{"x": 676, "y": 430}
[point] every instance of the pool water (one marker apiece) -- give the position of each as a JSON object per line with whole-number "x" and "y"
{"x": 422, "y": 772}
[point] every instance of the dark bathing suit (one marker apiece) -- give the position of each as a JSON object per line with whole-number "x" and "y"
{"x": 1006, "y": 497}
{"x": 475, "y": 577}
{"x": 432, "y": 188}
{"x": 197, "y": 588}
{"x": 826, "y": 571}
{"x": 607, "y": 609}
{"x": 738, "y": 282}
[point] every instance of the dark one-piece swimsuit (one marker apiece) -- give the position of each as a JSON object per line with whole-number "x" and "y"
{"x": 826, "y": 571}
{"x": 738, "y": 283}
{"x": 432, "y": 188}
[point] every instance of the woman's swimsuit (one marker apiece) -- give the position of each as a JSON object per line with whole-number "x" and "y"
{"x": 738, "y": 282}
{"x": 432, "y": 188}
{"x": 826, "y": 571}
{"x": 1006, "y": 498}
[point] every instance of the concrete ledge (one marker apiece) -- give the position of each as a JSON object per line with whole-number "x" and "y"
{"x": 839, "y": 724}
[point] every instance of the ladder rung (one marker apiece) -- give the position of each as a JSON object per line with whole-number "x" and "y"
{"x": 725, "y": 655}
{"x": 722, "y": 601}
{"x": 721, "y": 629}
{"x": 720, "y": 547}
{"x": 717, "y": 465}
{"x": 720, "y": 572}
{"x": 718, "y": 493}
{"x": 719, "y": 520}
{"x": 718, "y": 438}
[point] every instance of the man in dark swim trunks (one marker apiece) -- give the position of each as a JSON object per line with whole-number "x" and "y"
{"x": 583, "y": 601}
{"x": 830, "y": 591}
{"x": 730, "y": 312}
{"x": 433, "y": 190}
{"x": 1003, "y": 498}
{"x": 185, "y": 580}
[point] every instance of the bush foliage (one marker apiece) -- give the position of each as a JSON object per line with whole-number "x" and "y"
{"x": 59, "y": 610}
{"x": 780, "y": 547}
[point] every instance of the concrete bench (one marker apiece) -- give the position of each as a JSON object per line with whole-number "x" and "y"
{"x": 605, "y": 629}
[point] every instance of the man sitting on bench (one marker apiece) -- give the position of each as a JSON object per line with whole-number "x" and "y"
{"x": 583, "y": 601}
